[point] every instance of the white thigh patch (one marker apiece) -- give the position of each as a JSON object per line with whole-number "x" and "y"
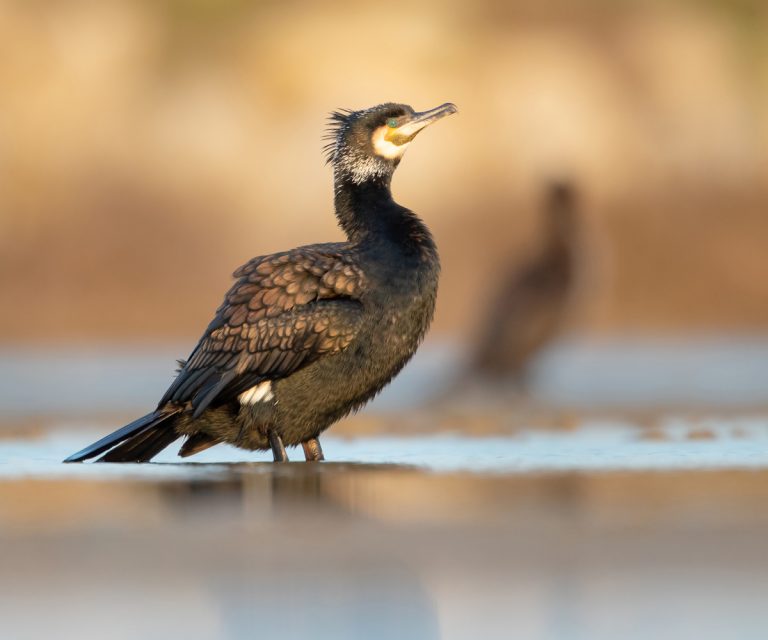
{"x": 262, "y": 392}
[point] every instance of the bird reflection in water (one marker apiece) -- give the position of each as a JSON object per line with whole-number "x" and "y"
{"x": 312, "y": 563}
{"x": 263, "y": 490}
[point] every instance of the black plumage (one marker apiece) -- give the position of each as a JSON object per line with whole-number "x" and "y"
{"x": 305, "y": 336}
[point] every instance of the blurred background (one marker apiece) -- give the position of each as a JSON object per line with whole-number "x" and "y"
{"x": 149, "y": 147}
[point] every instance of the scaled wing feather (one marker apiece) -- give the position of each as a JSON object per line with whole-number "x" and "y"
{"x": 283, "y": 312}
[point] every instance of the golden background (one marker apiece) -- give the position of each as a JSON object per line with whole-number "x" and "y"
{"x": 147, "y": 148}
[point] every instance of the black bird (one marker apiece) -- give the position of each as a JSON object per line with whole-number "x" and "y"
{"x": 532, "y": 302}
{"x": 306, "y": 336}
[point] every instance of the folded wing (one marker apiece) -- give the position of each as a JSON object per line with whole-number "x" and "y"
{"x": 283, "y": 312}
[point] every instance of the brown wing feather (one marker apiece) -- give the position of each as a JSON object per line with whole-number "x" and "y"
{"x": 283, "y": 312}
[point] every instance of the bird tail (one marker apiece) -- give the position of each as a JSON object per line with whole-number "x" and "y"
{"x": 138, "y": 441}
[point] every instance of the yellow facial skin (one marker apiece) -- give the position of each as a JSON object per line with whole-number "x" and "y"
{"x": 388, "y": 143}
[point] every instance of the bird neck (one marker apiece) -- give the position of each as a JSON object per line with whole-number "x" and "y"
{"x": 560, "y": 232}
{"x": 367, "y": 213}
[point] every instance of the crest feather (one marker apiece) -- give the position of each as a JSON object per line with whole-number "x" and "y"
{"x": 337, "y": 120}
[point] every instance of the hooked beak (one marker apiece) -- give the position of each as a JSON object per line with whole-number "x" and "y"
{"x": 418, "y": 121}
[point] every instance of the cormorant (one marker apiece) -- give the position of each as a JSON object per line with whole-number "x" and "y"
{"x": 531, "y": 303}
{"x": 306, "y": 336}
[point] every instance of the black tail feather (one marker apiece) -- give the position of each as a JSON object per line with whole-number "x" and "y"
{"x": 131, "y": 432}
{"x": 142, "y": 447}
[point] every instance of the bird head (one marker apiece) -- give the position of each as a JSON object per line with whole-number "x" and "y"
{"x": 367, "y": 144}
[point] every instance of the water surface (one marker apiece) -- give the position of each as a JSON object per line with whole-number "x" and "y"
{"x": 624, "y": 499}
{"x": 673, "y": 444}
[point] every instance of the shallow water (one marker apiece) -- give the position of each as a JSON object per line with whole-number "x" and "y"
{"x": 673, "y": 444}
{"x": 602, "y": 530}
{"x": 477, "y": 518}
{"x": 341, "y": 550}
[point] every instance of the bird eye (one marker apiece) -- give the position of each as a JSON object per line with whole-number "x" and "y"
{"x": 392, "y": 123}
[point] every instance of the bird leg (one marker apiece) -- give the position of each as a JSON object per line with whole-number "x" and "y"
{"x": 278, "y": 450}
{"x": 313, "y": 452}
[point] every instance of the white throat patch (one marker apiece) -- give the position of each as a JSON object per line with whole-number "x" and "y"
{"x": 385, "y": 148}
{"x": 262, "y": 392}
